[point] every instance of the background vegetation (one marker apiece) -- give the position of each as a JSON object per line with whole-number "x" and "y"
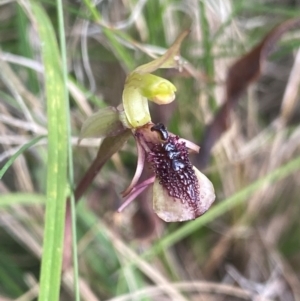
{"x": 245, "y": 248}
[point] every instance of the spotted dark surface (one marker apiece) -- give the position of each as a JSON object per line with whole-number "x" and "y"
{"x": 171, "y": 164}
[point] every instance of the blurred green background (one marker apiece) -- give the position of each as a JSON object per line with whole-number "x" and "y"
{"x": 247, "y": 245}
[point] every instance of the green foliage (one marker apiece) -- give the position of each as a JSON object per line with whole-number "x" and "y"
{"x": 57, "y": 158}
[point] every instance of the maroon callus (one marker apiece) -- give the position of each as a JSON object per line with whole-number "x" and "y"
{"x": 171, "y": 164}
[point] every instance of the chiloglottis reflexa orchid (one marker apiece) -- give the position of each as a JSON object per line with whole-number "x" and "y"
{"x": 180, "y": 191}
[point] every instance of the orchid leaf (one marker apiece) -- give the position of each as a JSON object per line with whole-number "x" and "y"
{"x": 108, "y": 147}
{"x": 103, "y": 123}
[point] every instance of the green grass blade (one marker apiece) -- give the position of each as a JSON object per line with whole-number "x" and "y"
{"x": 62, "y": 39}
{"x": 120, "y": 51}
{"x": 10, "y": 277}
{"x": 11, "y": 199}
{"x": 208, "y": 59}
{"x": 24, "y": 47}
{"x": 57, "y": 158}
{"x": 18, "y": 153}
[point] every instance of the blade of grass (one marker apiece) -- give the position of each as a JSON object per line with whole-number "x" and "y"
{"x": 264, "y": 8}
{"x": 104, "y": 263}
{"x": 154, "y": 11}
{"x": 226, "y": 205}
{"x": 57, "y": 157}
{"x": 18, "y": 153}
{"x": 237, "y": 7}
{"x": 120, "y": 51}
{"x": 11, "y": 199}
{"x": 126, "y": 255}
{"x": 70, "y": 8}
{"x": 62, "y": 39}
{"x": 11, "y": 277}
{"x": 208, "y": 60}
{"x": 94, "y": 99}
{"x": 25, "y": 48}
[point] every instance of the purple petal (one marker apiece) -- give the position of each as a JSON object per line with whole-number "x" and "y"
{"x": 139, "y": 169}
{"x": 191, "y": 145}
{"x": 135, "y": 192}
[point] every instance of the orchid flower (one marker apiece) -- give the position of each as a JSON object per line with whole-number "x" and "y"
{"x": 180, "y": 191}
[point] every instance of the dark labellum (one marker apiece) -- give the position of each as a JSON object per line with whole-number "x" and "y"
{"x": 159, "y": 127}
{"x": 171, "y": 164}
